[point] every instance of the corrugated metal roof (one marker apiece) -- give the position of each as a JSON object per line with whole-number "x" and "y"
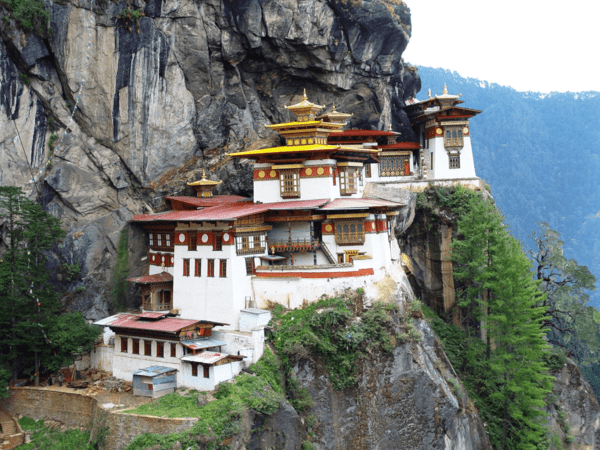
{"x": 228, "y": 211}
{"x": 110, "y": 319}
{"x": 168, "y": 324}
{"x": 162, "y": 277}
{"x": 205, "y": 357}
{"x": 414, "y": 145}
{"x": 297, "y": 204}
{"x": 154, "y": 371}
{"x": 363, "y": 133}
{"x": 199, "y": 344}
{"x": 358, "y": 203}
{"x": 151, "y": 315}
{"x": 210, "y": 201}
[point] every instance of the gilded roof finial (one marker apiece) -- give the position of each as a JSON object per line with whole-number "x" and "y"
{"x": 429, "y": 92}
{"x": 445, "y": 90}
{"x": 203, "y": 174}
{"x": 304, "y": 97}
{"x": 333, "y": 107}
{"x": 390, "y": 126}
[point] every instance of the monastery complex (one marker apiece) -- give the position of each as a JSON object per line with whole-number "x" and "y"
{"x": 219, "y": 263}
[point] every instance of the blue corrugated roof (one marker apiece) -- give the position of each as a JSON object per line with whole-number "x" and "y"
{"x": 199, "y": 344}
{"x": 153, "y": 371}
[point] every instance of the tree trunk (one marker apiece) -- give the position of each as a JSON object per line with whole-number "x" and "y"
{"x": 37, "y": 368}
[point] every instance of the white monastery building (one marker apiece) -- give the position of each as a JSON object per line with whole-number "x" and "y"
{"x": 218, "y": 263}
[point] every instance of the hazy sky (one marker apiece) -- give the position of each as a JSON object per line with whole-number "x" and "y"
{"x": 530, "y": 45}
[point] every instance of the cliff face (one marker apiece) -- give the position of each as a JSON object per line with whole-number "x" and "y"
{"x": 164, "y": 95}
{"x": 407, "y": 399}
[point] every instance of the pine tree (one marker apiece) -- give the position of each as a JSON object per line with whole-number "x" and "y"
{"x": 503, "y": 305}
{"x": 517, "y": 368}
{"x": 29, "y": 304}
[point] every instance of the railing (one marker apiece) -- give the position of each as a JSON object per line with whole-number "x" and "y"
{"x": 327, "y": 252}
{"x": 293, "y": 245}
{"x": 306, "y": 267}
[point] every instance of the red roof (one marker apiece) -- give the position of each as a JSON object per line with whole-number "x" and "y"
{"x": 400, "y": 145}
{"x": 151, "y": 315}
{"x": 203, "y": 202}
{"x": 157, "y": 278}
{"x": 362, "y": 133}
{"x": 358, "y": 203}
{"x": 230, "y": 211}
{"x": 168, "y": 324}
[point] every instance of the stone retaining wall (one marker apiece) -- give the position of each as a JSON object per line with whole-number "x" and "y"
{"x": 74, "y": 409}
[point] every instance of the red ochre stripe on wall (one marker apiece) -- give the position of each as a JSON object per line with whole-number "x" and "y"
{"x": 356, "y": 273}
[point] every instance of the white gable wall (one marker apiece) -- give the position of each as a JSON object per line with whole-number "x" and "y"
{"x": 441, "y": 162}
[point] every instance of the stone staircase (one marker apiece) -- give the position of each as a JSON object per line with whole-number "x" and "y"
{"x": 10, "y": 433}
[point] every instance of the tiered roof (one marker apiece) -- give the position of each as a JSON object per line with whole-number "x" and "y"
{"x": 307, "y": 135}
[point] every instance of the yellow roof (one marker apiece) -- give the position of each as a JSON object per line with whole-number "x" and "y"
{"x": 301, "y": 148}
{"x": 305, "y": 104}
{"x": 294, "y": 124}
{"x": 204, "y": 181}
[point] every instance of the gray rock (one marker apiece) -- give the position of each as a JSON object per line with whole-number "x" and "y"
{"x": 192, "y": 82}
{"x": 205, "y": 399}
{"x": 402, "y": 400}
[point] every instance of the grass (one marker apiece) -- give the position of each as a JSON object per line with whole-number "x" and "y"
{"x": 218, "y": 420}
{"x": 48, "y": 439}
{"x": 31, "y": 15}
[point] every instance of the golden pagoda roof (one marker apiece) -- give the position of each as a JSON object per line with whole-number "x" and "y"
{"x": 302, "y": 149}
{"x": 304, "y": 106}
{"x": 307, "y": 124}
{"x": 334, "y": 116}
{"x": 204, "y": 181}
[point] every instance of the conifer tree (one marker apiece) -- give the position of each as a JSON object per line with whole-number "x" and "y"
{"x": 501, "y": 301}
{"x": 29, "y": 304}
{"x": 517, "y": 367}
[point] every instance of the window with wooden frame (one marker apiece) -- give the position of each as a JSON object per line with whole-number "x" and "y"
{"x": 206, "y": 370}
{"x": 250, "y": 269}
{"x": 194, "y": 369}
{"x": 250, "y": 244}
{"x": 197, "y": 267}
{"x": 211, "y": 268}
{"x": 173, "y": 350}
{"x": 124, "y": 346}
{"x": 193, "y": 241}
{"x": 367, "y": 170}
{"x": 148, "y": 348}
{"x": 164, "y": 300}
{"x": 223, "y": 268}
{"x": 218, "y": 242}
{"x": 151, "y": 239}
{"x": 147, "y": 300}
{"x": 348, "y": 180}
{"x": 160, "y": 349}
{"x": 186, "y": 267}
{"x": 135, "y": 347}
{"x": 168, "y": 239}
{"x": 159, "y": 240}
{"x": 453, "y": 137}
{"x": 349, "y": 233}
{"x": 393, "y": 166}
{"x": 289, "y": 183}
{"x": 454, "y": 161}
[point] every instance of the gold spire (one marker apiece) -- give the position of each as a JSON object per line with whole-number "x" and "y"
{"x": 445, "y": 90}
{"x": 204, "y": 187}
{"x": 429, "y": 92}
{"x": 305, "y": 110}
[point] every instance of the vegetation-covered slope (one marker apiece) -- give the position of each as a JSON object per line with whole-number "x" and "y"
{"x": 541, "y": 154}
